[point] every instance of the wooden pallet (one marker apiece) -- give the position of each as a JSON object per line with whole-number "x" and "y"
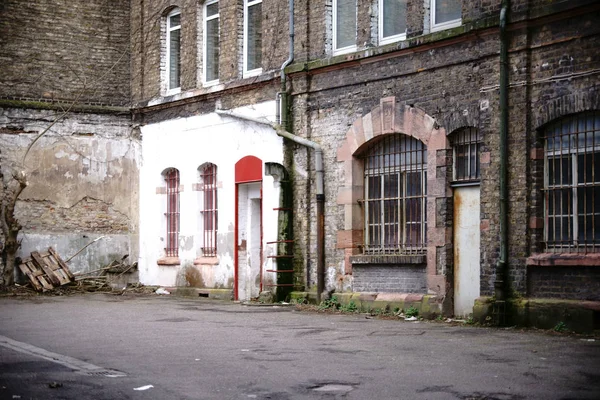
{"x": 46, "y": 270}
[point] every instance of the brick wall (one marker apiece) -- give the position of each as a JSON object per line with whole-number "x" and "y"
{"x": 148, "y": 27}
{"x": 455, "y": 82}
{"x": 56, "y": 50}
{"x": 82, "y": 173}
{"x": 580, "y": 283}
{"x": 390, "y": 278}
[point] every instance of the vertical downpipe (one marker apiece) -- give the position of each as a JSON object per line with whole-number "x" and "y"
{"x": 502, "y": 265}
{"x": 320, "y": 225}
{"x": 281, "y": 98}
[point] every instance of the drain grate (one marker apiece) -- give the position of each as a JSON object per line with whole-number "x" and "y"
{"x": 333, "y": 387}
{"x": 105, "y": 372}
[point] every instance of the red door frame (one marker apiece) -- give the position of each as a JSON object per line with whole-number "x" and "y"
{"x": 247, "y": 170}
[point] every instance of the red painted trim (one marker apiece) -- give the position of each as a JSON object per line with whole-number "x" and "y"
{"x": 235, "y": 245}
{"x": 261, "y": 238}
{"x": 248, "y": 169}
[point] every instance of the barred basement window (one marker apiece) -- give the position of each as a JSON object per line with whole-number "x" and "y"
{"x": 173, "y": 48}
{"x": 172, "y": 214}
{"x": 208, "y": 186}
{"x": 211, "y": 41}
{"x": 572, "y": 184}
{"x": 466, "y": 145}
{"x": 395, "y": 196}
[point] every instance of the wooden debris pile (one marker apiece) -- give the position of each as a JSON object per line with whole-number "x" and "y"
{"x": 46, "y": 271}
{"x": 98, "y": 279}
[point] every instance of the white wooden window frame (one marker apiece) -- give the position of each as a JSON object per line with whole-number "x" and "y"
{"x": 442, "y": 25}
{"x": 172, "y": 90}
{"x": 208, "y": 18}
{"x": 347, "y": 49}
{"x": 256, "y": 71}
{"x": 389, "y": 39}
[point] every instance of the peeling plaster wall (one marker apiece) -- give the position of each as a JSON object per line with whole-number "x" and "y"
{"x": 83, "y": 183}
{"x": 186, "y": 144}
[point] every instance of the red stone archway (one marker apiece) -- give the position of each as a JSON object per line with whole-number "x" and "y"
{"x": 389, "y": 118}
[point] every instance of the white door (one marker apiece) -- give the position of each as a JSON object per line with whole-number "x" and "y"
{"x": 249, "y": 241}
{"x": 466, "y": 249}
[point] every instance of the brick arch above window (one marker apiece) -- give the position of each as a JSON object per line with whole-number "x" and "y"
{"x": 390, "y": 118}
{"x": 566, "y": 105}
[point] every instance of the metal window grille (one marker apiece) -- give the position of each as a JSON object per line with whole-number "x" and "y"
{"x": 208, "y": 177}
{"x": 395, "y": 196}
{"x": 172, "y": 214}
{"x": 572, "y": 184}
{"x": 465, "y": 150}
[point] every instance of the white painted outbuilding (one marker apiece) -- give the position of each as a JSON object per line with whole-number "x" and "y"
{"x": 239, "y": 149}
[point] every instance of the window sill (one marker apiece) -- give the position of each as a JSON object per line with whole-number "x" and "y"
{"x": 445, "y": 25}
{"x": 206, "y": 261}
{"x": 564, "y": 260}
{"x": 168, "y": 261}
{"x": 253, "y": 72}
{"x": 366, "y": 259}
{"x": 344, "y": 50}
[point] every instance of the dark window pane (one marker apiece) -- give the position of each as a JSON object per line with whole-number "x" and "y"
{"x": 346, "y": 23}
{"x": 212, "y": 49}
{"x": 394, "y": 17}
{"x": 254, "y": 38}
{"x": 447, "y": 10}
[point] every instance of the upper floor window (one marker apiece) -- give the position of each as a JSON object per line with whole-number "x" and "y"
{"x": 252, "y": 37}
{"x": 208, "y": 208}
{"x": 392, "y": 20}
{"x": 466, "y": 145}
{"x": 344, "y": 26}
{"x": 173, "y": 49}
{"x": 395, "y": 172}
{"x": 171, "y": 177}
{"x": 211, "y": 41}
{"x": 572, "y": 183}
{"x": 445, "y": 14}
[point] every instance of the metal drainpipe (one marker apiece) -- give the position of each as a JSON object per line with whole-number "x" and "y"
{"x": 502, "y": 266}
{"x": 319, "y": 183}
{"x": 281, "y": 98}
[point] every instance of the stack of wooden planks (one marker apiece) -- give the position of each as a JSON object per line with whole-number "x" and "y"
{"x": 46, "y": 271}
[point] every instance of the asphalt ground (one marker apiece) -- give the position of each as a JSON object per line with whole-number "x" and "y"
{"x": 104, "y": 346}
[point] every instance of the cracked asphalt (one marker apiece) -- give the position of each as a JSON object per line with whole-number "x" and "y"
{"x": 104, "y": 346}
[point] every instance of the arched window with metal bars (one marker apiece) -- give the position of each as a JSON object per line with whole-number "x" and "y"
{"x": 208, "y": 208}
{"x": 172, "y": 213}
{"x": 395, "y": 209}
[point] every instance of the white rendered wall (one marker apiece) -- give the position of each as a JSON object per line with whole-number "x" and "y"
{"x": 186, "y": 144}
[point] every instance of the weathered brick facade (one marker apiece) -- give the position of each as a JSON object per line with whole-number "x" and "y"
{"x": 453, "y": 77}
{"x": 59, "y": 50}
{"x": 66, "y": 73}
{"x": 429, "y": 87}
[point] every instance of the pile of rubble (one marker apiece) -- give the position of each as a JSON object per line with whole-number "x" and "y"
{"x": 48, "y": 273}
